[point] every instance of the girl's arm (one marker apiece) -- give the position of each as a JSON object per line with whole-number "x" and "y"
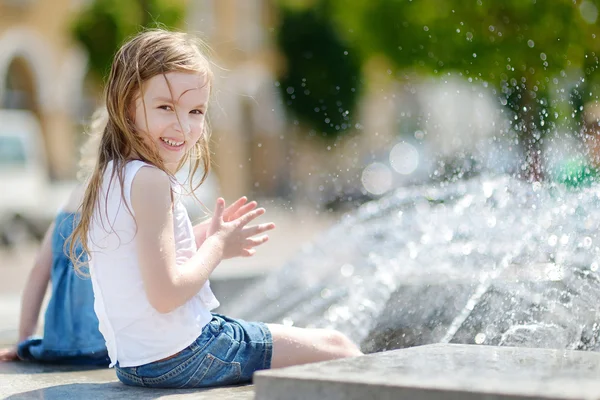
{"x": 167, "y": 285}
{"x": 33, "y": 294}
{"x": 35, "y": 289}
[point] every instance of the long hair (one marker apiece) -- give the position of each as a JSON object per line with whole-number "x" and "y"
{"x": 148, "y": 54}
{"x": 88, "y": 153}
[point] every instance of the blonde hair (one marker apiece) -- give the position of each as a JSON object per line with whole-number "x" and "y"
{"x": 88, "y": 153}
{"x": 148, "y": 54}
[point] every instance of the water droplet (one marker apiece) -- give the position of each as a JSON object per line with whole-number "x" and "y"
{"x": 376, "y": 178}
{"x": 480, "y": 338}
{"x": 488, "y": 189}
{"x": 347, "y": 270}
{"x": 555, "y": 273}
{"x": 404, "y": 158}
{"x": 467, "y": 249}
{"x": 589, "y": 12}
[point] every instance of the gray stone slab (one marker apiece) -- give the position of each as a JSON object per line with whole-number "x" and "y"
{"x": 22, "y": 381}
{"x": 441, "y": 371}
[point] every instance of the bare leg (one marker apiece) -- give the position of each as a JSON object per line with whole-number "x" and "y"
{"x": 293, "y": 346}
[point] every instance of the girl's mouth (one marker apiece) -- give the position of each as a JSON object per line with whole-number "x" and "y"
{"x": 172, "y": 143}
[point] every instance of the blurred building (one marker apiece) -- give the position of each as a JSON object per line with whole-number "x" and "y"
{"x": 256, "y": 151}
{"x": 250, "y": 145}
{"x": 42, "y": 70}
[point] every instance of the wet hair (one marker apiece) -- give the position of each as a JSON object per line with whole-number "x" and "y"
{"x": 88, "y": 153}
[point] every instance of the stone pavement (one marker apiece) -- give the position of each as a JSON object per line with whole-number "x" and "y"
{"x": 22, "y": 381}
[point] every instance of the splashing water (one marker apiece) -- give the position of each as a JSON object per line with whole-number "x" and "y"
{"x": 486, "y": 261}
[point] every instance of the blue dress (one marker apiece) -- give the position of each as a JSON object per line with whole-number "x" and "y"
{"x": 71, "y": 334}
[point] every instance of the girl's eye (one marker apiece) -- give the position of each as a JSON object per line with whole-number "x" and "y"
{"x": 166, "y": 108}
{"x": 200, "y": 112}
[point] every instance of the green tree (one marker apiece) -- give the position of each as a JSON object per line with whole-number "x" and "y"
{"x": 525, "y": 49}
{"x": 321, "y": 82}
{"x": 105, "y": 24}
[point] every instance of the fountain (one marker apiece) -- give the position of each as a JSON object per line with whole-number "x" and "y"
{"x": 491, "y": 260}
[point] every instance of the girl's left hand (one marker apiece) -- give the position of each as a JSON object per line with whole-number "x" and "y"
{"x": 232, "y": 212}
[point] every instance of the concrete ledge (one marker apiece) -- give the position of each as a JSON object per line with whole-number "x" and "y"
{"x": 465, "y": 372}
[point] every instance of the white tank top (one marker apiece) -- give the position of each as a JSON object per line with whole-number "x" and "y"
{"x": 134, "y": 331}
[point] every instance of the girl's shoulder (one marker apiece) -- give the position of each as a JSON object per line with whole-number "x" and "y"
{"x": 149, "y": 177}
{"x": 134, "y": 178}
{"x": 130, "y": 170}
{"x": 150, "y": 193}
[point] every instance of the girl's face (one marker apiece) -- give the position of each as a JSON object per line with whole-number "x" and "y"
{"x": 173, "y": 119}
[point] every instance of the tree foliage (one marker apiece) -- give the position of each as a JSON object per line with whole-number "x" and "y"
{"x": 528, "y": 50}
{"x": 321, "y": 82}
{"x": 105, "y": 24}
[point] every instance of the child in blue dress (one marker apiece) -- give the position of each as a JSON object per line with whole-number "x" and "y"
{"x": 70, "y": 334}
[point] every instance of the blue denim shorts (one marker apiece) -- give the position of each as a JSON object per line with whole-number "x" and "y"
{"x": 226, "y": 353}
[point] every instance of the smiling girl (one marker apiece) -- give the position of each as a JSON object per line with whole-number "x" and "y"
{"x": 150, "y": 268}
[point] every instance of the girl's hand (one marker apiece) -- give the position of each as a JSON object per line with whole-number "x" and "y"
{"x": 9, "y": 354}
{"x": 238, "y": 238}
{"x": 232, "y": 212}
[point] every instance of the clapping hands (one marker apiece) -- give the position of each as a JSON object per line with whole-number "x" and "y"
{"x": 230, "y": 225}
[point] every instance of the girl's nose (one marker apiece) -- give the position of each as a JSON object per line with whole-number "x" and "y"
{"x": 182, "y": 125}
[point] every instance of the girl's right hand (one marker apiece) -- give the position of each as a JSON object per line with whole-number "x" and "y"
{"x": 9, "y": 354}
{"x": 236, "y": 237}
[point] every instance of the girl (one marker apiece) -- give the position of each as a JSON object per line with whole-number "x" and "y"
{"x": 149, "y": 267}
{"x": 71, "y": 334}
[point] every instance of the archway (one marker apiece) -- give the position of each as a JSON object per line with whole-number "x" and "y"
{"x": 19, "y": 87}
{"x": 32, "y": 76}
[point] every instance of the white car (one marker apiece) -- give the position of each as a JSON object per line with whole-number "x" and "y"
{"x": 28, "y": 200}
